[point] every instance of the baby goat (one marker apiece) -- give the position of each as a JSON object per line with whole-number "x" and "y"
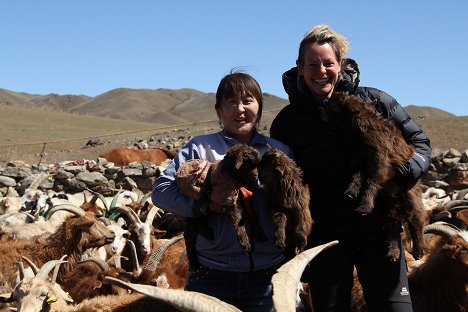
{"x": 237, "y": 170}
{"x": 288, "y": 201}
{"x": 378, "y": 146}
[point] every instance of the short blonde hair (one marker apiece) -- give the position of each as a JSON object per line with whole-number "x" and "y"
{"x": 324, "y": 34}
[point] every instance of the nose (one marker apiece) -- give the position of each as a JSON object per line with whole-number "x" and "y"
{"x": 322, "y": 68}
{"x": 239, "y": 106}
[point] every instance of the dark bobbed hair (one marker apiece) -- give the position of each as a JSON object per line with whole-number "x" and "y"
{"x": 238, "y": 85}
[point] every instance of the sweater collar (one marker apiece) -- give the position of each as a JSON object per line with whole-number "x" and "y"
{"x": 257, "y": 138}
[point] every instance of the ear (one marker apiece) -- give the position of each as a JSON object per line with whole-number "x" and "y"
{"x": 238, "y": 163}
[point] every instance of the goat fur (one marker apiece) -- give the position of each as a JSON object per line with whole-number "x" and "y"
{"x": 288, "y": 201}
{"x": 237, "y": 168}
{"x": 378, "y": 146}
{"x": 74, "y": 236}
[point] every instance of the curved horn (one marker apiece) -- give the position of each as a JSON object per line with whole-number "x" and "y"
{"x": 46, "y": 268}
{"x": 57, "y": 267}
{"x": 444, "y": 229}
{"x": 455, "y": 203}
{"x": 114, "y": 200}
{"x": 182, "y": 299}
{"x": 133, "y": 252}
{"x": 101, "y": 263}
{"x": 156, "y": 256}
{"x": 37, "y": 180}
{"x": 458, "y": 209}
{"x": 100, "y": 196}
{"x": 66, "y": 207}
{"x": 151, "y": 214}
{"x": 118, "y": 261}
{"x": 288, "y": 276}
{"x": 462, "y": 194}
{"x": 33, "y": 266}
{"x": 130, "y": 213}
{"x": 20, "y": 266}
{"x": 143, "y": 198}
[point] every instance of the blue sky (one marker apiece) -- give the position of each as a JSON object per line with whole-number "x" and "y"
{"x": 414, "y": 50}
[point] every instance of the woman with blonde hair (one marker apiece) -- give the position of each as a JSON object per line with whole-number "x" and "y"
{"x": 324, "y": 156}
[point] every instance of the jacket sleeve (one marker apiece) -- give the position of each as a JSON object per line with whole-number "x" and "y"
{"x": 412, "y": 133}
{"x": 166, "y": 194}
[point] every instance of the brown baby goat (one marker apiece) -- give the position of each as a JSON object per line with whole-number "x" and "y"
{"x": 378, "y": 147}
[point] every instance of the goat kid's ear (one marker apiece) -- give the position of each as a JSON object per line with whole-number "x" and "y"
{"x": 238, "y": 163}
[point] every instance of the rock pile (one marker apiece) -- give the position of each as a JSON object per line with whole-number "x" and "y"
{"x": 448, "y": 171}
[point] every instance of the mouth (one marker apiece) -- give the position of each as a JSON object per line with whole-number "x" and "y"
{"x": 322, "y": 81}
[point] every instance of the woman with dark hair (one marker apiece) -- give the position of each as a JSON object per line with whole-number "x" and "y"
{"x": 224, "y": 270}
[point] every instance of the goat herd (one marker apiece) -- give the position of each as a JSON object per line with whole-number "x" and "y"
{"x": 88, "y": 252}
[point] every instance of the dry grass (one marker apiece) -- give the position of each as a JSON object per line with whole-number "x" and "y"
{"x": 28, "y": 133}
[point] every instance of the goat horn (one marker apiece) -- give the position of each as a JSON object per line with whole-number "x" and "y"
{"x": 20, "y": 266}
{"x": 33, "y": 266}
{"x": 444, "y": 229}
{"x": 462, "y": 194}
{"x": 151, "y": 214}
{"x": 156, "y": 256}
{"x": 66, "y": 207}
{"x": 455, "y": 203}
{"x": 100, "y": 196}
{"x": 143, "y": 198}
{"x": 133, "y": 252}
{"x": 37, "y": 180}
{"x": 118, "y": 261}
{"x": 458, "y": 209}
{"x": 56, "y": 269}
{"x": 46, "y": 268}
{"x": 101, "y": 263}
{"x": 114, "y": 199}
{"x": 287, "y": 277}
{"x": 182, "y": 299}
{"x": 130, "y": 213}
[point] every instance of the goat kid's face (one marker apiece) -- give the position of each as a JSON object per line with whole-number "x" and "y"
{"x": 241, "y": 162}
{"x": 270, "y": 169}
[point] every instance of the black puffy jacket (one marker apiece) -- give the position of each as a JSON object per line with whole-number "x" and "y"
{"x": 324, "y": 154}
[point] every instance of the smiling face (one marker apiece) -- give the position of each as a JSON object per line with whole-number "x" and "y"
{"x": 320, "y": 68}
{"x": 239, "y": 105}
{"x": 239, "y": 116}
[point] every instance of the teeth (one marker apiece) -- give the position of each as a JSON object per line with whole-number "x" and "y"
{"x": 321, "y": 81}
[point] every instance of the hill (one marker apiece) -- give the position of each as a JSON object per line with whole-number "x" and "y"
{"x": 59, "y": 126}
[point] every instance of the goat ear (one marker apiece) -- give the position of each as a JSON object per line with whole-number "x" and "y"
{"x": 158, "y": 233}
{"x": 238, "y": 163}
{"x": 84, "y": 224}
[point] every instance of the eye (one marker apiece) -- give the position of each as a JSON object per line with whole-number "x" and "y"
{"x": 248, "y": 100}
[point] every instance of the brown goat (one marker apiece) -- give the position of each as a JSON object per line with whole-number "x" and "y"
{"x": 75, "y": 235}
{"x": 238, "y": 169}
{"x": 378, "y": 146}
{"x": 124, "y": 156}
{"x": 440, "y": 283}
{"x": 288, "y": 201}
